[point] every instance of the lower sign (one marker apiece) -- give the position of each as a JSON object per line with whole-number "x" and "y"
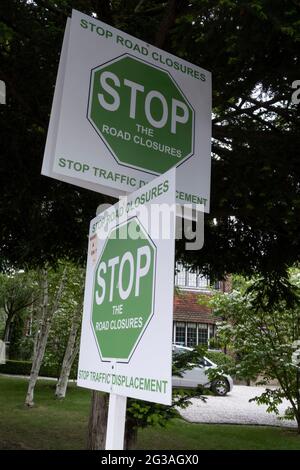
{"x": 127, "y": 324}
{"x": 123, "y": 292}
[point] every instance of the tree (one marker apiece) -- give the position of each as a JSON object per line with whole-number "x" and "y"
{"x": 251, "y": 47}
{"x": 96, "y": 434}
{"x": 263, "y": 340}
{"x": 63, "y": 339}
{"x": 141, "y": 414}
{"x": 70, "y": 354}
{"x": 16, "y": 294}
{"x": 48, "y": 306}
{"x": 66, "y": 320}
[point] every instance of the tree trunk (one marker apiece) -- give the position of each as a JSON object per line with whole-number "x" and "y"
{"x": 69, "y": 357}
{"x": 172, "y": 10}
{"x": 298, "y": 423}
{"x": 298, "y": 397}
{"x": 131, "y": 432}
{"x": 166, "y": 23}
{"x": 36, "y": 365}
{"x": 97, "y": 421}
{"x": 6, "y": 330}
{"x": 42, "y": 334}
{"x": 40, "y": 341}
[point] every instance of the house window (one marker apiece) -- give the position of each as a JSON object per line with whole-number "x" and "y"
{"x": 203, "y": 282}
{"x": 180, "y": 333}
{"x": 181, "y": 276}
{"x": 202, "y": 334}
{"x": 192, "y": 279}
{"x": 186, "y": 278}
{"x": 191, "y": 334}
{"x": 212, "y": 331}
{"x": 217, "y": 285}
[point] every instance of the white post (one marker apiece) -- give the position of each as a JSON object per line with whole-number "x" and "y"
{"x": 116, "y": 422}
{"x": 116, "y": 418}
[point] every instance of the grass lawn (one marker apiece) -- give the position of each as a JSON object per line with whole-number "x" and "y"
{"x": 54, "y": 424}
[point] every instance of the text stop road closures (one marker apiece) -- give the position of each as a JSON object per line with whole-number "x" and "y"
{"x": 126, "y": 338}
{"x": 125, "y": 112}
{"x": 123, "y": 292}
{"x": 144, "y": 128}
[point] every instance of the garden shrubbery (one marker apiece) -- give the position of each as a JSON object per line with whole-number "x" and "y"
{"x": 221, "y": 359}
{"x": 24, "y": 367}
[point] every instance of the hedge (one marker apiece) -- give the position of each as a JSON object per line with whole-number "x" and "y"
{"x": 220, "y": 358}
{"x": 24, "y": 367}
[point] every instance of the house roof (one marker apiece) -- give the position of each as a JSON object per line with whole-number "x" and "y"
{"x": 188, "y": 308}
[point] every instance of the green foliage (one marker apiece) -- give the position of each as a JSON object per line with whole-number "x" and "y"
{"x": 72, "y": 298}
{"x": 272, "y": 398}
{"x": 272, "y": 289}
{"x": 16, "y": 338}
{"x": 15, "y": 367}
{"x": 221, "y": 359}
{"x": 141, "y": 414}
{"x": 187, "y": 359}
{"x": 26, "y": 287}
{"x": 17, "y": 295}
{"x": 251, "y": 47}
{"x": 262, "y": 339}
{"x": 22, "y": 348}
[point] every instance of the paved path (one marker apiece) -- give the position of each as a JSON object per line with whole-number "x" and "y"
{"x": 234, "y": 408}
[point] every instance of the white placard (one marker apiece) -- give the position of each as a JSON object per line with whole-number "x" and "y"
{"x": 114, "y": 133}
{"x": 126, "y": 345}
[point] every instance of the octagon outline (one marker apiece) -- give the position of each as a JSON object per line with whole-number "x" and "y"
{"x": 149, "y": 239}
{"x": 98, "y": 132}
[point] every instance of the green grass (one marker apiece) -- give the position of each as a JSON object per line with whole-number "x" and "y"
{"x": 182, "y": 435}
{"x": 50, "y": 424}
{"x": 54, "y": 424}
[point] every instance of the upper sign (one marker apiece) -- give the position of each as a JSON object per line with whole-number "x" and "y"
{"x": 126, "y": 337}
{"x": 126, "y": 113}
{"x": 142, "y": 127}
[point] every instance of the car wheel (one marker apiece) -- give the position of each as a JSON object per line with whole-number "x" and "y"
{"x": 220, "y": 387}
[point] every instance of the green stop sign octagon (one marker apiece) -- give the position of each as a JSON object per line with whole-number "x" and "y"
{"x": 141, "y": 114}
{"x": 123, "y": 291}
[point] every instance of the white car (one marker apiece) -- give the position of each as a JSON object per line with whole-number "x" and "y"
{"x": 198, "y": 375}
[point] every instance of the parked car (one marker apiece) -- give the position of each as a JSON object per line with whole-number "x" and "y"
{"x": 198, "y": 375}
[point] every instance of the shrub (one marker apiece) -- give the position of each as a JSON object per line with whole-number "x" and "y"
{"x": 15, "y": 367}
{"x": 221, "y": 359}
{"x": 24, "y": 367}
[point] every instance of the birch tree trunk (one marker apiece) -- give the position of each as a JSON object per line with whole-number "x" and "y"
{"x": 39, "y": 346}
{"x": 42, "y": 333}
{"x": 97, "y": 421}
{"x": 70, "y": 355}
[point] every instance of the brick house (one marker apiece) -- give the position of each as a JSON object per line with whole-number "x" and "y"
{"x": 194, "y": 323}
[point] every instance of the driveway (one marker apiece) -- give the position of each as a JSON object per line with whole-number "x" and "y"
{"x": 235, "y": 409}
